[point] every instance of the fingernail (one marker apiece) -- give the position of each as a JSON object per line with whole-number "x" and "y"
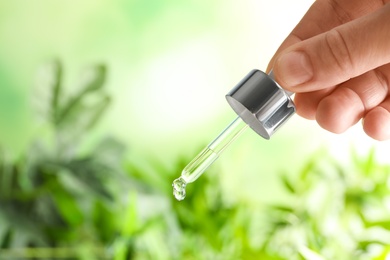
{"x": 294, "y": 68}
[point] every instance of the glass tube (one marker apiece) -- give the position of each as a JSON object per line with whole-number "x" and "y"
{"x": 207, "y": 157}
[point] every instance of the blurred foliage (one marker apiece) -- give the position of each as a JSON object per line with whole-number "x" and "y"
{"x": 60, "y": 202}
{"x": 54, "y": 196}
{"x": 337, "y": 212}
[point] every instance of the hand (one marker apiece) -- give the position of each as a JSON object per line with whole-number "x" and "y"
{"x": 337, "y": 60}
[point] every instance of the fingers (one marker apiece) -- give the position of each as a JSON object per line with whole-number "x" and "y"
{"x": 340, "y": 110}
{"x": 371, "y": 88}
{"x": 330, "y": 52}
{"x": 349, "y": 102}
{"x": 376, "y": 123}
{"x": 306, "y": 103}
{"x": 325, "y": 15}
{"x": 336, "y": 56}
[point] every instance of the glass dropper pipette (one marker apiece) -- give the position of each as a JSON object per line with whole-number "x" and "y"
{"x": 207, "y": 157}
{"x": 260, "y": 103}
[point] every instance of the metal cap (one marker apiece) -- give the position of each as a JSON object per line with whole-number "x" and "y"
{"x": 261, "y": 103}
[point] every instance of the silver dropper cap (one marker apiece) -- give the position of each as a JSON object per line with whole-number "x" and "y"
{"x": 261, "y": 103}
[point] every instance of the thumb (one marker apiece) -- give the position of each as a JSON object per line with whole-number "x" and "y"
{"x": 333, "y": 57}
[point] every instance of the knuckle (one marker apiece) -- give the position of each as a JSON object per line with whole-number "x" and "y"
{"x": 382, "y": 79}
{"x": 338, "y": 49}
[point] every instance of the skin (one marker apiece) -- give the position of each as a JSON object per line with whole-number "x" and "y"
{"x": 337, "y": 61}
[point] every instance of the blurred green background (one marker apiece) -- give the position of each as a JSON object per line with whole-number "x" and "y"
{"x": 161, "y": 69}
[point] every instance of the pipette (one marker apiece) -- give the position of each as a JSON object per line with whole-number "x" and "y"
{"x": 260, "y": 103}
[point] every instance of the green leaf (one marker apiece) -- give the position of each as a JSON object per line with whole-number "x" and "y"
{"x": 282, "y": 208}
{"x": 68, "y": 207}
{"x": 308, "y": 253}
{"x": 106, "y": 219}
{"x": 5, "y": 240}
{"x": 110, "y": 153}
{"x": 6, "y": 180}
{"x": 364, "y": 164}
{"x": 287, "y": 184}
{"x": 307, "y": 169}
{"x": 130, "y": 221}
{"x": 24, "y": 221}
{"x": 121, "y": 248}
{"x": 369, "y": 164}
{"x": 96, "y": 79}
{"x": 380, "y": 223}
{"x": 95, "y": 82}
{"x": 96, "y": 111}
{"x": 23, "y": 170}
{"x": 91, "y": 175}
{"x": 56, "y": 89}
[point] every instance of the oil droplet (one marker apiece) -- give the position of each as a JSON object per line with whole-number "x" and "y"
{"x": 179, "y": 188}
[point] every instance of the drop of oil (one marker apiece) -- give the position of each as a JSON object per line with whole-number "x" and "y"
{"x": 179, "y": 188}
